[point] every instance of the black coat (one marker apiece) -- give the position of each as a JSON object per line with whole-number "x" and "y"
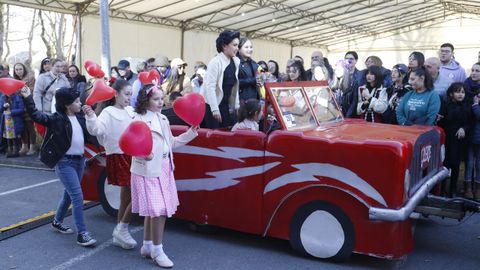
{"x": 247, "y": 79}
{"x": 58, "y": 138}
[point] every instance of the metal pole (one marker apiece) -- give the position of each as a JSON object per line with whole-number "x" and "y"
{"x": 182, "y": 41}
{"x": 105, "y": 62}
{"x": 78, "y": 58}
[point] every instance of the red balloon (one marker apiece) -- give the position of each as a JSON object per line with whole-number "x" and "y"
{"x": 93, "y": 69}
{"x": 136, "y": 140}
{"x": 191, "y": 108}
{"x": 100, "y": 92}
{"x": 149, "y": 77}
{"x": 154, "y": 76}
{"x": 9, "y": 86}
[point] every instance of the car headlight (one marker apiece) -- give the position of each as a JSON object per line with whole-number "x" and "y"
{"x": 406, "y": 183}
{"x": 442, "y": 152}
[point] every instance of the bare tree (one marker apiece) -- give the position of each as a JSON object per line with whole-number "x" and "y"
{"x": 44, "y": 36}
{"x": 5, "y": 30}
{"x": 28, "y": 62}
{"x": 2, "y": 29}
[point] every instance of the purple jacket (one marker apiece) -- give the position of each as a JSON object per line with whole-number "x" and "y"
{"x": 454, "y": 71}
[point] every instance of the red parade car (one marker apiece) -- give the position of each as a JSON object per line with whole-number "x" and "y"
{"x": 331, "y": 186}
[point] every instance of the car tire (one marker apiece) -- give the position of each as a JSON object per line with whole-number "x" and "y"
{"x": 109, "y": 195}
{"x": 322, "y": 230}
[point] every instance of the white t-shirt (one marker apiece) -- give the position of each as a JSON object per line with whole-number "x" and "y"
{"x": 78, "y": 142}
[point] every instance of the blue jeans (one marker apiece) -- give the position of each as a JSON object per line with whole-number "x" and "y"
{"x": 473, "y": 161}
{"x": 70, "y": 172}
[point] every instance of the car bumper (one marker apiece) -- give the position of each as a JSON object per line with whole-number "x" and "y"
{"x": 403, "y": 213}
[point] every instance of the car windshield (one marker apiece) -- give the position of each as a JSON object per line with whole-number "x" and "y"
{"x": 306, "y": 106}
{"x": 294, "y": 108}
{"x": 323, "y": 104}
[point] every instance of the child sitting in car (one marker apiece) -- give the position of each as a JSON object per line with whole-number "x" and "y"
{"x": 250, "y": 113}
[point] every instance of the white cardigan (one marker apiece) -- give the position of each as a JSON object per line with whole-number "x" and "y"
{"x": 212, "y": 86}
{"x": 378, "y": 105}
{"x": 109, "y": 126}
{"x": 162, "y": 138}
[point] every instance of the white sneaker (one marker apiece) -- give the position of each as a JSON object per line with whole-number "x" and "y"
{"x": 162, "y": 259}
{"x": 145, "y": 251}
{"x": 123, "y": 239}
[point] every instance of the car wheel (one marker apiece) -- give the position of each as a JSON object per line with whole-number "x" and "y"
{"x": 109, "y": 195}
{"x": 322, "y": 230}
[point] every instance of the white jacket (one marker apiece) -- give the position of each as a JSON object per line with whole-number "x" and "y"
{"x": 212, "y": 85}
{"x": 163, "y": 143}
{"x": 109, "y": 126}
{"x": 378, "y": 105}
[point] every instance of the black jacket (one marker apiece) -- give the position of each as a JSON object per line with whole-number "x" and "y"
{"x": 58, "y": 138}
{"x": 247, "y": 79}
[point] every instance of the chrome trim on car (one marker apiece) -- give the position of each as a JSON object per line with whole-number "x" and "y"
{"x": 403, "y": 213}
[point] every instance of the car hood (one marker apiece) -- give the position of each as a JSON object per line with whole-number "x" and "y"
{"x": 357, "y": 130}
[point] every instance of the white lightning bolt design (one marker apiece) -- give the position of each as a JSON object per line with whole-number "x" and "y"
{"x": 102, "y": 160}
{"x": 308, "y": 171}
{"x": 222, "y": 179}
{"x": 235, "y": 153}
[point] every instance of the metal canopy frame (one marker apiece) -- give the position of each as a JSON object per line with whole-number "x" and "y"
{"x": 319, "y": 23}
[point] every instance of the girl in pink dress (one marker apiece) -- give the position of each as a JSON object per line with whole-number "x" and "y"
{"x": 154, "y": 194}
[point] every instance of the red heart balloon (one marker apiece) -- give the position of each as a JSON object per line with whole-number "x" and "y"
{"x": 154, "y": 77}
{"x": 149, "y": 77}
{"x": 136, "y": 140}
{"x": 100, "y": 92}
{"x": 9, "y": 86}
{"x": 191, "y": 108}
{"x": 143, "y": 77}
{"x": 93, "y": 69}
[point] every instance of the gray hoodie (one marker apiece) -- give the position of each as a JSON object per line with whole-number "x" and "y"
{"x": 453, "y": 71}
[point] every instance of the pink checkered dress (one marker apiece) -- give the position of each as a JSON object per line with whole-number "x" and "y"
{"x": 155, "y": 196}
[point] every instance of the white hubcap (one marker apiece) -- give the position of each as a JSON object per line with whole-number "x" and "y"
{"x": 322, "y": 235}
{"x": 112, "y": 194}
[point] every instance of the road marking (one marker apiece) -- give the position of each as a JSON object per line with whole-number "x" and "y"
{"x": 29, "y": 187}
{"x": 90, "y": 253}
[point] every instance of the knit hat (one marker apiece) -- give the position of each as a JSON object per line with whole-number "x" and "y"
{"x": 65, "y": 96}
{"x": 161, "y": 61}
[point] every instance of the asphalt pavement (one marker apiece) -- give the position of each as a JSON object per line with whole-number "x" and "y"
{"x": 439, "y": 244}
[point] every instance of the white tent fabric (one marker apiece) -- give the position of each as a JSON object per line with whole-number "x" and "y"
{"x": 279, "y": 29}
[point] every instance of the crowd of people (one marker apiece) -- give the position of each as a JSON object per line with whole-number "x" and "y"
{"x": 432, "y": 91}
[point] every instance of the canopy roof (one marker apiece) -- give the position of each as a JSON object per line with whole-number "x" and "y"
{"x": 316, "y": 23}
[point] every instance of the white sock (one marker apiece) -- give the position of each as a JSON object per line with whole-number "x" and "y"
{"x": 147, "y": 243}
{"x": 122, "y": 226}
{"x": 157, "y": 249}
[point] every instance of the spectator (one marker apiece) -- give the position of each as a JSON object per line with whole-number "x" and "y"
{"x": 455, "y": 121}
{"x": 472, "y": 84}
{"x": 283, "y": 77}
{"x": 46, "y": 85}
{"x": 198, "y": 64}
{"x": 221, "y": 82}
{"x": 150, "y": 64}
{"x": 440, "y": 81}
{"x": 348, "y": 82}
{"x": 421, "y": 106}
{"x": 373, "y": 98}
{"x": 451, "y": 68}
{"x": 163, "y": 66}
{"x": 316, "y": 61}
{"x": 395, "y": 93}
{"x": 376, "y": 61}
{"x": 296, "y": 72}
{"x": 273, "y": 69}
{"x": 250, "y": 113}
{"x": 248, "y": 87}
{"x": 125, "y": 72}
{"x": 415, "y": 60}
{"x": 11, "y": 128}
{"x": 141, "y": 67}
{"x": 3, "y": 74}
{"x": 263, "y": 65}
{"x": 45, "y": 66}
{"x": 77, "y": 81}
{"x": 176, "y": 81}
{"x": 197, "y": 82}
{"x": 64, "y": 69}
{"x": 29, "y": 136}
{"x": 472, "y": 170}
